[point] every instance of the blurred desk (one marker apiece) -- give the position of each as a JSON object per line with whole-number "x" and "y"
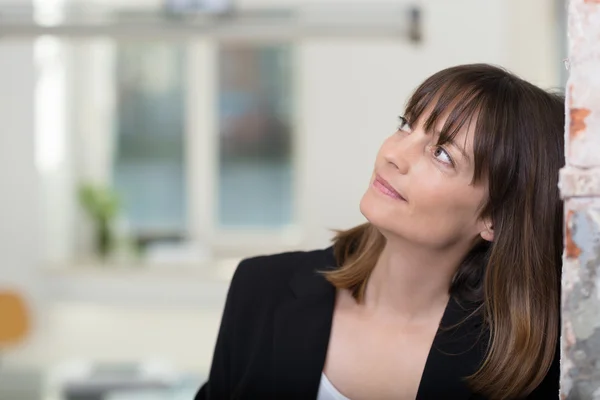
{"x": 183, "y": 389}
{"x": 186, "y": 390}
{"x": 124, "y": 381}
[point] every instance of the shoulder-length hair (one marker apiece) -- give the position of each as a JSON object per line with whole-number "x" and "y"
{"x": 515, "y": 280}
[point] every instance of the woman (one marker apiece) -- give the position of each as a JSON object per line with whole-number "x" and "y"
{"x": 450, "y": 291}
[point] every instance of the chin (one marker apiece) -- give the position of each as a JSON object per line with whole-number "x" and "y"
{"x": 383, "y": 215}
{"x": 376, "y": 211}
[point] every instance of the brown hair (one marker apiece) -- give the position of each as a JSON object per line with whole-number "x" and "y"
{"x": 515, "y": 280}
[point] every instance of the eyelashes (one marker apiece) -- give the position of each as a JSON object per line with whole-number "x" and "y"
{"x": 403, "y": 124}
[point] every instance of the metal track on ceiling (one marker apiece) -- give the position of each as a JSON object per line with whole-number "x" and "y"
{"x": 339, "y": 20}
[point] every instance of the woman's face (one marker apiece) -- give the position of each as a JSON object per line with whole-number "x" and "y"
{"x": 422, "y": 192}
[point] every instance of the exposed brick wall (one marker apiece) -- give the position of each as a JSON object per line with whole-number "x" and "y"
{"x": 580, "y": 187}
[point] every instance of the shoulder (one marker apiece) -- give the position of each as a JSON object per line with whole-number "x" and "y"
{"x": 279, "y": 266}
{"x": 271, "y": 273}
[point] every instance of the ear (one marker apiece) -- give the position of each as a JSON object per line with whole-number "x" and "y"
{"x": 487, "y": 231}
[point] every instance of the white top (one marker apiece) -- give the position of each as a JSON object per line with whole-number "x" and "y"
{"x": 327, "y": 391}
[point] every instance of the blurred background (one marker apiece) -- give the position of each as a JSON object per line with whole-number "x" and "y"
{"x": 146, "y": 146}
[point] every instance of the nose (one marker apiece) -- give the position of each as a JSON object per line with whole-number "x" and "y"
{"x": 401, "y": 153}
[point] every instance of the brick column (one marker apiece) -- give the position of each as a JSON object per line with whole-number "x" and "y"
{"x": 580, "y": 188}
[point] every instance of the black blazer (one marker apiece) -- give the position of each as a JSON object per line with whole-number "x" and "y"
{"x": 275, "y": 330}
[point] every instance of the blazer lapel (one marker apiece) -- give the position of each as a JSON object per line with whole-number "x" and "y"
{"x": 457, "y": 352}
{"x": 302, "y": 330}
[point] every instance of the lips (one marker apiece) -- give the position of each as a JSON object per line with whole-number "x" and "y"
{"x": 383, "y": 186}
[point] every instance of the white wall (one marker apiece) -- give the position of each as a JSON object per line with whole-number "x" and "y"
{"x": 19, "y": 190}
{"x": 532, "y": 44}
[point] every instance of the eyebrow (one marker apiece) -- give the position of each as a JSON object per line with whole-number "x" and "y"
{"x": 452, "y": 143}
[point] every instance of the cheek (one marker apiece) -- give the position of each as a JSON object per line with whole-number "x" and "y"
{"x": 437, "y": 198}
{"x": 440, "y": 213}
{"x": 447, "y": 212}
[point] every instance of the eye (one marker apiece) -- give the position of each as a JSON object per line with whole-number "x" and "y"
{"x": 403, "y": 125}
{"x": 443, "y": 156}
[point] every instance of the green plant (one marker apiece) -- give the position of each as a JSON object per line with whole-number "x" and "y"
{"x": 102, "y": 206}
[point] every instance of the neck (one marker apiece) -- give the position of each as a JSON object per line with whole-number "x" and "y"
{"x": 411, "y": 283}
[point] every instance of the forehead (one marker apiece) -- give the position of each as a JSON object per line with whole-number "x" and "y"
{"x": 452, "y": 106}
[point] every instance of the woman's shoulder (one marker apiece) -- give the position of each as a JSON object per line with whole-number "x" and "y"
{"x": 268, "y": 273}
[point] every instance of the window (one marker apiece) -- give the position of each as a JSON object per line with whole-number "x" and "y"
{"x": 196, "y": 138}
{"x": 149, "y": 171}
{"x": 255, "y": 177}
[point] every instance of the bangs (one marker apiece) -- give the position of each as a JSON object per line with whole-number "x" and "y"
{"x": 461, "y": 97}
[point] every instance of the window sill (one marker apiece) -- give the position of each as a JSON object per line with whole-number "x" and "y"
{"x": 179, "y": 286}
